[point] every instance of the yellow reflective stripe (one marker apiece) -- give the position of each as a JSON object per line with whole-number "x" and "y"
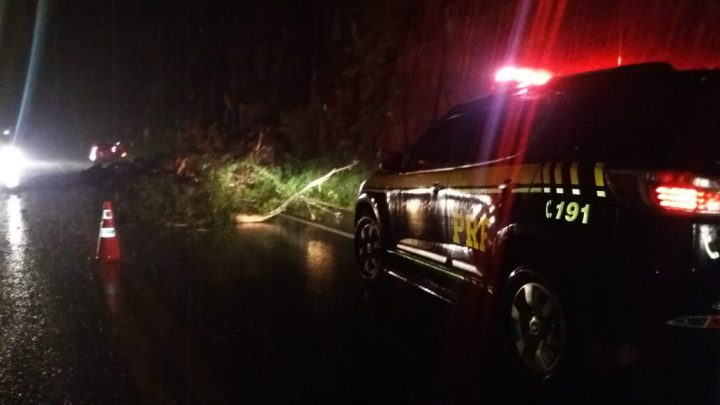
{"x": 546, "y": 173}
{"x": 558, "y": 173}
{"x": 488, "y": 176}
{"x": 574, "y": 174}
{"x": 558, "y": 178}
{"x": 574, "y": 179}
{"x": 546, "y": 177}
{"x": 405, "y": 181}
{"x": 599, "y": 181}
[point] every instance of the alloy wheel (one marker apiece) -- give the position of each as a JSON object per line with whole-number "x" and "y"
{"x": 368, "y": 248}
{"x": 538, "y": 327}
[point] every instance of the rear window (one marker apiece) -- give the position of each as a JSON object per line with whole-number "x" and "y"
{"x": 664, "y": 125}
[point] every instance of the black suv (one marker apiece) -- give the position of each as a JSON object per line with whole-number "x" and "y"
{"x": 589, "y": 205}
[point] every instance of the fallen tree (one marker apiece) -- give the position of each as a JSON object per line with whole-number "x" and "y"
{"x": 251, "y": 218}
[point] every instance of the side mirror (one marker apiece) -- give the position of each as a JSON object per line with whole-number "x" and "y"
{"x": 391, "y": 161}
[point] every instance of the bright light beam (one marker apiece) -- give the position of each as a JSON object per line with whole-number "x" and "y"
{"x": 38, "y": 37}
{"x": 519, "y": 25}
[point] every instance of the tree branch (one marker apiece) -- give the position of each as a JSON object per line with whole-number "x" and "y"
{"x": 245, "y": 218}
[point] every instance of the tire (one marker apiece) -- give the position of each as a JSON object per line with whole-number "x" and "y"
{"x": 368, "y": 248}
{"x": 533, "y": 327}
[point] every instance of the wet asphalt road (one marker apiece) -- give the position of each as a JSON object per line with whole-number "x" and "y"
{"x": 267, "y": 312}
{"x": 271, "y": 312}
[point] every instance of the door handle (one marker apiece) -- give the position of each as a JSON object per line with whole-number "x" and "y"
{"x": 505, "y": 186}
{"x": 505, "y": 190}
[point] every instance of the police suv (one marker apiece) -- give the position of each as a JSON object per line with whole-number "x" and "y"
{"x": 573, "y": 205}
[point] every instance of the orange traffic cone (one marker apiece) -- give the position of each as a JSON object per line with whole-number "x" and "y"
{"x": 108, "y": 247}
{"x": 109, "y": 276}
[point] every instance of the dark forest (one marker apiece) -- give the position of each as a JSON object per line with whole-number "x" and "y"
{"x": 311, "y": 76}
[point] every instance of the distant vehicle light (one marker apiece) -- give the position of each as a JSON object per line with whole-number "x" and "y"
{"x": 107, "y": 152}
{"x": 11, "y": 166}
{"x": 524, "y": 77}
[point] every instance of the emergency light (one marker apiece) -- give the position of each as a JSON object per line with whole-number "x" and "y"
{"x": 524, "y": 77}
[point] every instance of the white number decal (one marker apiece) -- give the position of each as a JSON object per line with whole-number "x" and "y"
{"x": 569, "y": 211}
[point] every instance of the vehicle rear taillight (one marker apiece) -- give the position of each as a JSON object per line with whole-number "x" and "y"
{"x": 685, "y": 193}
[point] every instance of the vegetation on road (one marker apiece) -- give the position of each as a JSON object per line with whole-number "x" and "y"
{"x": 215, "y": 190}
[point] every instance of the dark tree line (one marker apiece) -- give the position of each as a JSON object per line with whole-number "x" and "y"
{"x": 326, "y": 76}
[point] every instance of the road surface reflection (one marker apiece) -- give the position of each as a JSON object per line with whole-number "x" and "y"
{"x": 15, "y": 262}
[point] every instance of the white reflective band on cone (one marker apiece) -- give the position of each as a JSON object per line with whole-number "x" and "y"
{"x": 697, "y": 322}
{"x": 107, "y": 232}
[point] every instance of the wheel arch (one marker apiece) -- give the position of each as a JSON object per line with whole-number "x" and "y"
{"x": 517, "y": 245}
{"x": 372, "y": 205}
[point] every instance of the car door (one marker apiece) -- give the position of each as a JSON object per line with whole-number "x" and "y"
{"x": 494, "y": 180}
{"x": 421, "y": 220}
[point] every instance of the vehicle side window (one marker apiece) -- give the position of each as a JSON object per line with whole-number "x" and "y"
{"x": 501, "y": 129}
{"x": 468, "y": 129}
{"x": 492, "y": 130}
{"x": 421, "y": 155}
{"x": 431, "y": 150}
{"x": 447, "y": 143}
{"x": 560, "y": 137}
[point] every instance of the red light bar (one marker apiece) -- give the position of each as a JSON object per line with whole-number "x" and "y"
{"x": 524, "y": 77}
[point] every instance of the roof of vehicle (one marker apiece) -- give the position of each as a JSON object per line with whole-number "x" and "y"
{"x": 630, "y": 115}
{"x": 631, "y": 77}
{"x": 652, "y": 70}
{"x": 638, "y": 77}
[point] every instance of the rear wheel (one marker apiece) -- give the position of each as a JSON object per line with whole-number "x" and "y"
{"x": 534, "y": 326}
{"x": 368, "y": 247}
